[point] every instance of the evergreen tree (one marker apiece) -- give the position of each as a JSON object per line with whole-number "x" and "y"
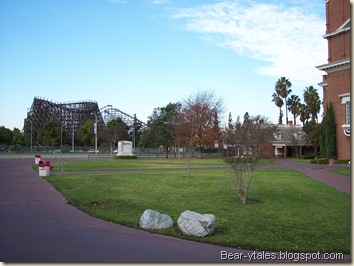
{"x": 328, "y": 134}
{"x": 323, "y": 138}
{"x": 49, "y": 135}
{"x": 85, "y": 135}
{"x": 331, "y": 147}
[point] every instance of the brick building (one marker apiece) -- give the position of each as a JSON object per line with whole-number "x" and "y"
{"x": 288, "y": 141}
{"x": 336, "y": 82}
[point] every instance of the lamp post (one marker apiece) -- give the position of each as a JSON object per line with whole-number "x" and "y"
{"x": 95, "y": 127}
{"x": 72, "y": 139}
{"x": 95, "y": 132}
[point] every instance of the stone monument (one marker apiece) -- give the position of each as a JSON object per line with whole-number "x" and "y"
{"x": 125, "y": 148}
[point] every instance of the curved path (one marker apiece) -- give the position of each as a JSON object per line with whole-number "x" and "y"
{"x": 321, "y": 172}
{"x": 37, "y": 225}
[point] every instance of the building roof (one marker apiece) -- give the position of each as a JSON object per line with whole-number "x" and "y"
{"x": 289, "y": 135}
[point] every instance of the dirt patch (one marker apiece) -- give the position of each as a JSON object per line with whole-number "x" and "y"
{"x": 250, "y": 201}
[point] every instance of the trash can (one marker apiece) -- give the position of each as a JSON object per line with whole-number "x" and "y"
{"x": 42, "y": 169}
{"x": 47, "y": 167}
{"x": 37, "y": 158}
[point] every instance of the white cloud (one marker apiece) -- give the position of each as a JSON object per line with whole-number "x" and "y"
{"x": 288, "y": 38}
{"x": 160, "y": 2}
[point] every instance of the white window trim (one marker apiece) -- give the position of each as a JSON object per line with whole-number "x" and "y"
{"x": 345, "y": 97}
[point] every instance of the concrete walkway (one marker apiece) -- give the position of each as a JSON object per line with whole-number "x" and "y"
{"x": 37, "y": 225}
{"x": 321, "y": 173}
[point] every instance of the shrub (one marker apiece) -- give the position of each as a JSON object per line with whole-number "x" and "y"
{"x": 313, "y": 161}
{"x": 343, "y": 161}
{"x": 126, "y": 157}
{"x": 308, "y": 156}
{"x": 322, "y": 161}
{"x": 65, "y": 148}
{"x": 241, "y": 160}
{"x": 16, "y": 148}
{"x": 211, "y": 150}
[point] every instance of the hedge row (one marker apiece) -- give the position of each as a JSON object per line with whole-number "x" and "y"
{"x": 126, "y": 157}
{"x": 325, "y": 161}
{"x": 309, "y": 156}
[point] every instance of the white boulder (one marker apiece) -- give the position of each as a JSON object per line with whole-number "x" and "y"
{"x": 151, "y": 219}
{"x": 195, "y": 224}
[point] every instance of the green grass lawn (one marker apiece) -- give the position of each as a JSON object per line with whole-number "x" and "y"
{"x": 342, "y": 171}
{"x": 298, "y": 160}
{"x": 297, "y": 213}
{"x": 123, "y": 164}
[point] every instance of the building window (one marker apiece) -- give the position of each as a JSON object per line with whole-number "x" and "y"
{"x": 277, "y": 135}
{"x": 347, "y": 113}
{"x": 346, "y": 100}
{"x": 297, "y": 136}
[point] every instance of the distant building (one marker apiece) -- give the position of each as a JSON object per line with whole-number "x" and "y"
{"x": 336, "y": 82}
{"x": 288, "y": 141}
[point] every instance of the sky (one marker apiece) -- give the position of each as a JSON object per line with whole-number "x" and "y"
{"x": 140, "y": 55}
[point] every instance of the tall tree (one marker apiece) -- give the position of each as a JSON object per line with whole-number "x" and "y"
{"x": 304, "y": 113}
{"x": 20, "y": 138}
{"x": 279, "y": 103}
{"x": 313, "y": 102}
{"x": 5, "y": 135}
{"x": 294, "y": 106}
{"x": 282, "y": 86}
{"x": 202, "y": 112}
{"x": 85, "y": 134}
{"x": 328, "y": 134}
{"x": 50, "y": 133}
{"x": 136, "y": 131}
{"x": 161, "y": 128}
{"x": 115, "y": 131}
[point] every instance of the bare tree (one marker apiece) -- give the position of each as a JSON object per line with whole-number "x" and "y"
{"x": 202, "y": 112}
{"x": 250, "y": 138}
{"x": 115, "y": 131}
{"x": 296, "y": 138}
{"x": 176, "y": 131}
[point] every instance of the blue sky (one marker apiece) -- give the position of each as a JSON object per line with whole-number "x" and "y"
{"x": 139, "y": 55}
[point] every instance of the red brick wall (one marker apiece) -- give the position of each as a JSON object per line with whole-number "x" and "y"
{"x": 339, "y": 47}
{"x": 338, "y": 11}
{"x": 267, "y": 150}
{"x": 339, "y": 83}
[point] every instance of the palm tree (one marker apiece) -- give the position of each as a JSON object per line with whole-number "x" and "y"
{"x": 282, "y": 87}
{"x": 279, "y": 103}
{"x": 313, "y": 102}
{"x": 304, "y": 113}
{"x": 294, "y": 106}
